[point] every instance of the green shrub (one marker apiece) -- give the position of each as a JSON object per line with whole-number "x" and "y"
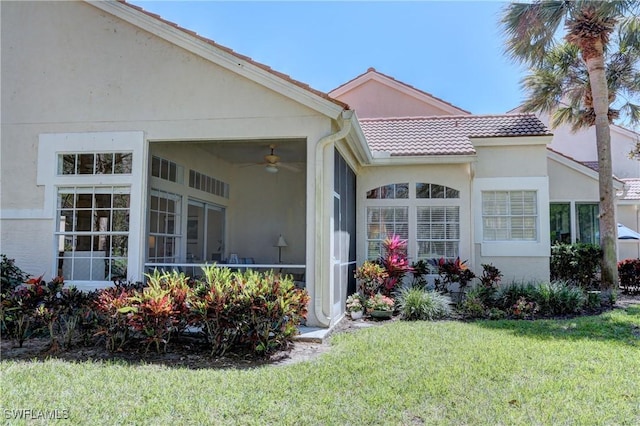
{"x": 556, "y": 298}
{"x": 629, "y": 274}
{"x": 576, "y": 263}
{"x": 10, "y": 275}
{"x": 419, "y": 304}
{"x": 251, "y": 310}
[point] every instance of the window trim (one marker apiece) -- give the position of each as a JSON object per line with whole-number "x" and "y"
{"x": 539, "y": 248}
{"x": 412, "y": 203}
{"x": 52, "y": 144}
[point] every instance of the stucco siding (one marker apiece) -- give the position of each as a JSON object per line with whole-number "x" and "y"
{"x": 374, "y": 99}
{"x": 507, "y": 161}
{"x": 566, "y": 184}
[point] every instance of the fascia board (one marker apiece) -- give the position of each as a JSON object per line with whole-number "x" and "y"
{"x": 512, "y": 141}
{"x": 424, "y": 159}
{"x": 219, "y": 57}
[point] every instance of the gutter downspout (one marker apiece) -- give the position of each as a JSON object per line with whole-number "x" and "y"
{"x": 321, "y": 240}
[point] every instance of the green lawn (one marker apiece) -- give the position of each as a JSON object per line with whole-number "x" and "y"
{"x": 580, "y": 371}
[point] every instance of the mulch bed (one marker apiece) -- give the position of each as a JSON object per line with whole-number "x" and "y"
{"x": 190, "y": 353}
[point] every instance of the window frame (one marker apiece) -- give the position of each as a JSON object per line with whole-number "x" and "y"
{"x": 51, "y": 145}
{"x": 539, "y": 248}
{"x": 412, "y": 203}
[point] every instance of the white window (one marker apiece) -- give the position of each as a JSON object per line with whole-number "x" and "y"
{"x": 427, "y": 215}
{"x": 383, "y": 222}
{"x": 438, "y": 232}
{"x": 509, "y": 215}
{"x": 93, "y": 232}
{"x": 94, "y": 163}
{"x": 93, "y": 184}
{"x": 164, "y": 240}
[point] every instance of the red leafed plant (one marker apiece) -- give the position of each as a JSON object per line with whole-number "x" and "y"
{"x": 395, "y": 262}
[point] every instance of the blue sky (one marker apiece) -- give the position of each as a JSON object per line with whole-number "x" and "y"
{"x": 453, "y": 49}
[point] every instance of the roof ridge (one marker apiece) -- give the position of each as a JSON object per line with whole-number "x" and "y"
{"x": 265, "y": 67}
{"x": 447, "y": 117}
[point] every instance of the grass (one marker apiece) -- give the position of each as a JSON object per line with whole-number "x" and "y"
{"x": 580, "y": 371}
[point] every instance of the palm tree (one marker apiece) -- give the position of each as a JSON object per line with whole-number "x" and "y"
{"x": 531, "y": 31}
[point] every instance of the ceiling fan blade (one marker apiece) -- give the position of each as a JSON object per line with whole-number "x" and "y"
{"x": 290, "y": 167}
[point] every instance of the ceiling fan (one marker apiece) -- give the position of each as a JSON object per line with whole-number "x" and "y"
{"x": 272, "y": 162}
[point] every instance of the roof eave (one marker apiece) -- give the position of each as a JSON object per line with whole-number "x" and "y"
{"x": 516, "y": 140}
{"x": 380, "y": 159}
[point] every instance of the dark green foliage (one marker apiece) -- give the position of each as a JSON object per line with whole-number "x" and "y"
{"x": 419, "y": 269}
{"x": 578, "y": 264}
{"x": 10, "y": 275}
{"x": 419, "y": 304}
{"x": 550, "y": 299}
{"x": 629, "y": 274}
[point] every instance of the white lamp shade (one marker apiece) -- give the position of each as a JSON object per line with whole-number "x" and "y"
{"x": 281, "y": 242}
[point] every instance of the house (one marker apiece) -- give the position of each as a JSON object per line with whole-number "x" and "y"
{"x": 133, "y": 144}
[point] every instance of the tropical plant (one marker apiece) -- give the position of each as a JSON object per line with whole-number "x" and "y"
{"x": 578, "y": 263}
{"x": 380, "y": 302}
{"x": 416, "y": 304}
{"x": 371, "y": 276}
{"x": 355, "y": 303}
{"x": 531, "y": 30}
{"x": 395, "y": 263}
{"x": 452, "y": 272}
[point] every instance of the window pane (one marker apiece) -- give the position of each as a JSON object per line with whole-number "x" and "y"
{"x": 67, "y": 164}
{"x": 560, "y": 222}
{"x": 422, "y": 190}
{"x": 85, "y": 164}
{"x": 104, "y": 163}
{"x": 122, "y": 163}
{"x": 402, "y": 190}
{"x": 588, "y": 223}
{"x": 452, "y": 193}
{"x": 437, "y": 191}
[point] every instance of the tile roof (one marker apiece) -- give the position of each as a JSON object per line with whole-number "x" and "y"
{"x": 632, "y": 189}
{"x": 445, "y": 135}
{"x": 238, "y": 55}
{"x": 592, "y": 165}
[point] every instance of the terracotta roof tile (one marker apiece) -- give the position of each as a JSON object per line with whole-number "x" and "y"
{"x": 632, "y": 189}
{"x": 445, "y": 135}
{"x": 238, "y": 55}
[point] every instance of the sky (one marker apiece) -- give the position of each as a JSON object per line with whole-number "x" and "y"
{"x": 451, "y": 49}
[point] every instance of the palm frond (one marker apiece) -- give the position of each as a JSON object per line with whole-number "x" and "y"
{"x": 629, "y": 35}
{"x": 632, "y": 112}
{"x": 529, "y": 28}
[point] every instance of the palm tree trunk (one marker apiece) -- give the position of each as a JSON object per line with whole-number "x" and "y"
{"x": 608, "y": 229}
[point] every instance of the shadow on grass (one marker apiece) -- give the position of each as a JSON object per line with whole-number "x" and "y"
{"x": 620, "y": 325}
{"x": 182, "y": 353}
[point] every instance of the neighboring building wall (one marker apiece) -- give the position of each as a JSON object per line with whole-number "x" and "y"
{"x": 582, "y": 146}
{"x": 374, "y": 100}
